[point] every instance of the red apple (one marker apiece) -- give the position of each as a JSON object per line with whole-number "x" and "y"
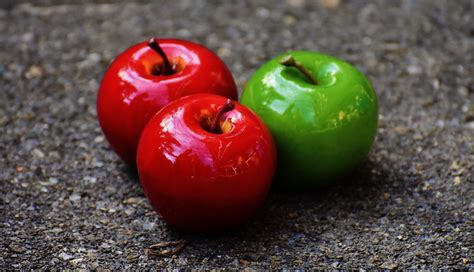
{"x": 206, "y": 162}
{"x": 148, "y": 76}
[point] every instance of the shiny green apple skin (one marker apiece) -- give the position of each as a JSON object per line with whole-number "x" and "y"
{"x": 324, "y": 131}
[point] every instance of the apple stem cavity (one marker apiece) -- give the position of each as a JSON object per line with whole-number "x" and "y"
{"x": 167, "y": 68}
{"x": 289, "y": 61}
{"x": 228, "y": 106}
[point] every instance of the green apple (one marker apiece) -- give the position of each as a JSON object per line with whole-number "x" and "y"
{"x": 322, "y": 112}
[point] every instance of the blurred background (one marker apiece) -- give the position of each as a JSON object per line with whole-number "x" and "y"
{"x": 67, "y": 201}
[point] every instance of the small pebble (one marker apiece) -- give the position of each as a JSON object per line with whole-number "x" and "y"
{"x": 457, "y": 181}
{"x": 37, "y": 153}
{"x": 34, "y": 71}
{"x": 74, "y": 197}
{"x": 65, "y": 256}
{"x": 414, "y": 70}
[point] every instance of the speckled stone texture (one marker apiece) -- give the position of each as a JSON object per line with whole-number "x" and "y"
{"x": 67, "y": 201}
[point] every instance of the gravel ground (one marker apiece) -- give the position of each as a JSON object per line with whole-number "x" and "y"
{"x": 67, "y": 201}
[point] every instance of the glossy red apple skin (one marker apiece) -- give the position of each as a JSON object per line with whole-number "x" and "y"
{"x": 200, "y": 181}
{"x": 130, "y": 94}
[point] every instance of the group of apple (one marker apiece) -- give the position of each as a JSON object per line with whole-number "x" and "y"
{"x": 205, "y": 161}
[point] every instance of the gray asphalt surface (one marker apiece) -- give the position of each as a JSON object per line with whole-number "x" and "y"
{"x": 67, "y": 201}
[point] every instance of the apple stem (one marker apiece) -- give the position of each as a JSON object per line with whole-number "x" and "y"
{"x": 228, "y": 106}
{"x": 289, "y": 61}
{"x": 167, "y": 68}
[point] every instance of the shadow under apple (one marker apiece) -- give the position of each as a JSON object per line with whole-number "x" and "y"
{"x": 288, "y": 219}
